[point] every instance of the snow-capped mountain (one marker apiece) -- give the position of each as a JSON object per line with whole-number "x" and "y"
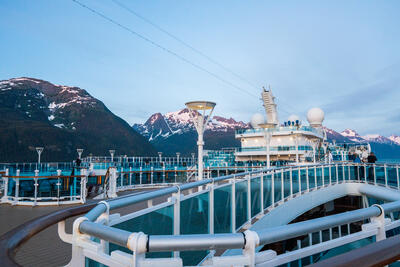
{"x": 61, "y": 118}
{"x": 179, "y": 122}
{"x": 352, "y": 135}
{"x": 377, "y": 139}
{"x": 395, "y": 139}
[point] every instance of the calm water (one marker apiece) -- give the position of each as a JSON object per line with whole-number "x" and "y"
{"x": 389, "y": 161}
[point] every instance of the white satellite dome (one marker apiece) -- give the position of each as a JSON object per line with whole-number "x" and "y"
{"x": 257, "y": 119}
{"x": 315, "y": 117}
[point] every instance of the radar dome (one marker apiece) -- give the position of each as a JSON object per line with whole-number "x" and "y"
{"x": 315, "y": 117}
{"x": 257, "y": 119}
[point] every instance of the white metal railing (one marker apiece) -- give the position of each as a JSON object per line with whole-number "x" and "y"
{"x": 44, "y": 190}
{"x": 250, "y": 196}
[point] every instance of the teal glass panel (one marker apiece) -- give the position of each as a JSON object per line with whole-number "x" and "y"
{"x": 93, "y": 263}
{"x": 380, "y": 175}
{"x": 303, "y": 173}
{"x": 241, "y": 203}
{"x": 334, "y": 174}
{"x": 311, "y": 177}
{"x": 158, "y": 222}
{"x": 222, "y": 209}
{"x": 370, "y": 173}
{"x": 392, "y": 176}
{"x": 267, "y": 190}
{"x": 346, "y": 173}
{"x": 339, "y": 173}
{"x": 326, "y": 175}
{"x": 319, "y": 176}
{"x": 255, "y": 185}
{"x": 194, "y": 220}
{"x": 353, "y": 172}
{"x": 286, "y": 183}
{"x": 277, "y": 186}
{"x": 295, "y": 181}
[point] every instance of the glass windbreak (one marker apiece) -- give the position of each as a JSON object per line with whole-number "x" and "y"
{"x": 222, "y": 209}
{"x": 286, "y": 183}
{"x": 380, "y": 174}
{"x": 295, "y": 181}
{"x": 267, "y": 190}
{"x": 311, "y": 177}
{"x": 158, "y": 222}
{"x": 326, "y": 175}
{"x": 241, "y": 203}
{"x": 303, "y": 178}
{"x": 194, "y": 220}
{"x": 392, "y": 176}
{"x": 255, "y": 185}
{"x": 277, "y": 186}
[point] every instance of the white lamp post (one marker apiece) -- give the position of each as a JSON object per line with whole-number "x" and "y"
{"x": 80, "y": 151}
{"x": 192, "y": 158}
{"x": 39, "y": 150}
{"x": 200, "y": 113}
{"x": 177, "y": 157}
{"x": 160, "y": 156}
{"x": 112, "y": 152}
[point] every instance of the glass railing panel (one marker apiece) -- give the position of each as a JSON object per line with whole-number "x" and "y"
{"x": 303, "y": 178}
{"x": 369, "y": 169}
{"x": 311, "y": 177}
{"x": 353, "y": 170}
{"x": 222, "y": 209}
{"x": 340, "y": 172}
{"x": 319, "y": 176}
{"x": 346, "y": 173}
{"x": 194, "y": 220}
{"x": 255, "y": 185}
{"x": 326, "y": 174}
{"x": 295, "y": 181}
{"x": 158, "y": 222}
{"x": 267, "y": 190}
{"x": 277, "y": 186}
{"x": 286, "y": 183}
{"x": 380, "y": 174}
{"x": 241, "y": 203}
{"x": 392, "y": 176}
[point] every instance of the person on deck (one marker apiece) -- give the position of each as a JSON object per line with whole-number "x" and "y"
{"x": 371, "y": 159}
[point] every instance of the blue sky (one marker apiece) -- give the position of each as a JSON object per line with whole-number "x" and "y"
{"x": 343, "y": 56}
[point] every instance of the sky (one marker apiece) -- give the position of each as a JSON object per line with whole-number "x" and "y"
{"x": 342, "y": 56}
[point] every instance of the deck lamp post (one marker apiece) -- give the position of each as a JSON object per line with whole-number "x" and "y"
{"x": 80, "y": 151}
{"x": 160, "y": 156}
{"x": 268, "y": 127}
{"x": 112, "y": 152}
{"x": 200, "y": 112}
{"x": 177, "y": 157}
{"x": 192, "y": 158}
{"x": 39, "y": 151}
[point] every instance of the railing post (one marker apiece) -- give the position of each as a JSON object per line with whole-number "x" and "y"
{"x": 291, "y": 182}
{"x": 130, "y": 176}
{"x": 299, "y": 178}
{"x": 282, "y": 186}
{"x": 323, "y": 175}
{"x": 378, "y": 222}
{"x": 163, "y": 169}
{"x": 249, "y": 199}
{"x": 337, "y": 173}
{"x": 112, "y": 193}
{"x": 262, "y": 192}
{"x": 58, "y": 185}
{"x": 122, "y": 176}
{"x": 5, "y": 196}
{"x": 386, "y": 180}
{"x": 272, "y": 188}
{"x": 315, "y": 177}
{"x": 177, "y": 216}
{"x": 175, "y": 173}
{"x": 307, "y": 179}
{"x": 36, "y": 187}
{"x": 17, "y": 173}
{"x": 140, "y": 174}
{"x": 343, "y": 173}
{"x": 373, "y": 166}
{"x": 233, "y": 205}
{"x": 151, "y": 175}
{"x": 83, "y": 185}
{"x": 211, "y": 208}
{"x": 397, "y": 174}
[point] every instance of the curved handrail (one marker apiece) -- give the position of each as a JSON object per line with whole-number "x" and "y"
{"x": 380, "y": 253}
{"x": 12, "y": 240}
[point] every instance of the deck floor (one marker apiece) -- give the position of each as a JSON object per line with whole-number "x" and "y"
{"x": 46, "y": 248}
